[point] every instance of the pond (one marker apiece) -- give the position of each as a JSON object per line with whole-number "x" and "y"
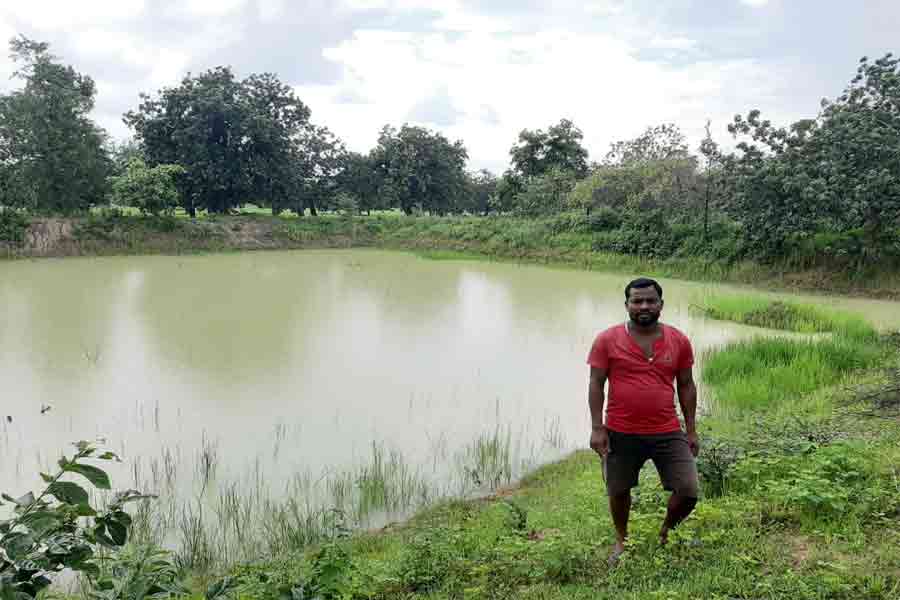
{"x": 263, "y": 369}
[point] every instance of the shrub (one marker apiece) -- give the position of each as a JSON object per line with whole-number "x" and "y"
{"x": 716, "y": 464}
{"x": 153, "y": 191}
{"x": 59, "y": 529}
{"x": 13, "y": 225}
{"x": 605, "y": 219}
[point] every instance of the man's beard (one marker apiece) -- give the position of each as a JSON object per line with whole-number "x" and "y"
{"x": 645, "y": 319}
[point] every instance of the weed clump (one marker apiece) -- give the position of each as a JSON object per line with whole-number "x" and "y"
{"x": 762, "y": 372}
{"x": 759, "y": 311}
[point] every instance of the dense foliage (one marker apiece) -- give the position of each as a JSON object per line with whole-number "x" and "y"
{"x": 824, "y": 190}
{"x": 151, "y": 190}
{"x": 59, "y": 529}
{"x": 52, "y": 156}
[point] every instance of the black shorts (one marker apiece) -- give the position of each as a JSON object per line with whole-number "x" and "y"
{"x": 669, "y": 452}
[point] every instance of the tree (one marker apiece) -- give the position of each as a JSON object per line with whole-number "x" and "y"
{"x": 659, "y": 143}
{"x": 537, "y": 152}
{"x": 320, "y": 161}
{"x": 52, "y": 156}
{"x": 276, "y": 155}
{"x": 855, "y": 151}
{"x": 122, "y": 153}
{"x": 545, "y": 194}
{"x": 151, "y": 190}
{"x": 712, "y": 155}
{"x": 419, "y": 168}
{"x": 652, "y": 171}
{"x": 508, "y": 189}
{"x": 838, "y": 172}
{"x": 482, "y": 188}
{"x": 234, "y": 138}
{"x": 359, "y": 179}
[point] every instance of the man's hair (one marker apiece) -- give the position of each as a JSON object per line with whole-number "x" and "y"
{"x": 643, "y": 282}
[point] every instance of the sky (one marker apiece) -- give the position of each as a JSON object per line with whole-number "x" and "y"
{"x": 477, "y": 71}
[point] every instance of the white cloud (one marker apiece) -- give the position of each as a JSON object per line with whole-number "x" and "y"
{"x": 207, "y": 8}
{"x": 755, "y": 3}
{"x": 66, "y": 14}
{"x": 672, "y": 43}
{"x": 604, "y": 7}
{"x": 531, "y": 80}
{"x": 270, "y": 10}
{"x": 6, "y": 64}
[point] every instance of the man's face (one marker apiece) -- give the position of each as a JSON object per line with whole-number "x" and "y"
{"x": 644, "y": 306}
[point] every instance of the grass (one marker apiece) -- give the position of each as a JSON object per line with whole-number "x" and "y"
{"x": 761, "y": 372}
{"x": 770, "y": 372}
{"x": 786, "y": 315}
{"x": 225, "y": 521}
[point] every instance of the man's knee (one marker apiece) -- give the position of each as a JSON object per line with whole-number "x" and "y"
{"x": 687, "y": 497}
{"x": 620, "y": 496}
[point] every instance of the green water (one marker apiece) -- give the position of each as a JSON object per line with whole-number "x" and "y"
{"x": 280, "y": 361}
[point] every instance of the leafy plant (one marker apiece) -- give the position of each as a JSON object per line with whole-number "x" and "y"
{"x": 152, "y": 190}
{"x": 716, "y": 463}
{"x": 135, "y": 573}
{"x": 13, "y": 226}
{"x": 59, "y": 529}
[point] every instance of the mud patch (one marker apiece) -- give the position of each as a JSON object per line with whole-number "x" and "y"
{"x": 46, "y": 236}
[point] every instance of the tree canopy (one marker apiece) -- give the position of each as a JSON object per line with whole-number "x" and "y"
{"x": 837, "y": 173}
{"x": 52, "y": 156}
{"x": 420, "y": 169}
{"x": 537, "y": 152}
{"x": 235, "y": 139}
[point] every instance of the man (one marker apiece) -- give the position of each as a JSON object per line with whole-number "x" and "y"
{"x": 641, "y": 358}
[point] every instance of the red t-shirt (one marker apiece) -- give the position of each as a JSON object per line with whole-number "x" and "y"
{"x": 641, "y": 392}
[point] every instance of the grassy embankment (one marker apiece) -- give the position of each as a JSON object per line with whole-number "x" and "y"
{"x": 545, "y": 241}
{"x": 801, "y": 498}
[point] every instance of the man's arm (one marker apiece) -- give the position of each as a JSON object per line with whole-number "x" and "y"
{"x": 687, "y": 398}
{"x": 599, "y": 436}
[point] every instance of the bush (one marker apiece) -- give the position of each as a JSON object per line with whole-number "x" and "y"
{"x": 646, "y": 234}
{"x": 13, "y": 225}
{"x": 59, "y": 529}
{"x": 605, "y": 219}
{"x": 100, "y": 225}
{"x": 716, "y": 464}
{"x": 153, "y": 191}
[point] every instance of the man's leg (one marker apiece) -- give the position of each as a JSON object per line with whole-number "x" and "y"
{"x": 620, "y": 469}
{"x": 678, "y": 510}
{"x": 619, "y": 507}
{"x": 677, "y": 470}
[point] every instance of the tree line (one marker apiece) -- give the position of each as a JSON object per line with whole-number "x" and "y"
{"x": 826, "y": 186}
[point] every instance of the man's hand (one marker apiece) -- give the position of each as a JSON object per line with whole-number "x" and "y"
{"x": 694, "y": 443}
{"x": 600, "y": 441}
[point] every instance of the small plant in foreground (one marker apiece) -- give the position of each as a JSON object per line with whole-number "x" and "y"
{"x": 715, "y": 465}
{"x": 137, "y": 572}
{"x": 58, "y": 529}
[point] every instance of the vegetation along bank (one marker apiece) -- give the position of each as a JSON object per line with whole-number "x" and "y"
{"x": 562, "y": 240}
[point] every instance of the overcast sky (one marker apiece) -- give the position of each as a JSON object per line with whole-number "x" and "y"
{"x": 478, "y": 71}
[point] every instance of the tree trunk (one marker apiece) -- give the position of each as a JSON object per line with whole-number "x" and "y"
{"x": 706, "y": 214}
